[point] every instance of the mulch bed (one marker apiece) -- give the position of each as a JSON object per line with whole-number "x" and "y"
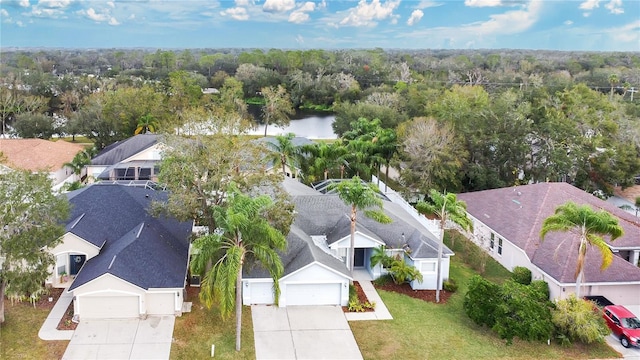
{"x": 67, "y": 323}
{"x": 361, "y": 296}
{"x": 425, "y": 295}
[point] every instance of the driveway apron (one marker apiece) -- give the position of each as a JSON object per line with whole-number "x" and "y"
{"x": 302, "y": 332}
{"x": 122, "y": 339}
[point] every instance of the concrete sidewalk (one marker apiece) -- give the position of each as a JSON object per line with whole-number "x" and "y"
{"x": 380, "y": 312}
{"x": 48, "y": 330}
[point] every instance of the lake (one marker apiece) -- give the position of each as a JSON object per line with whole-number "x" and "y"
{"x": 312, "y": 126}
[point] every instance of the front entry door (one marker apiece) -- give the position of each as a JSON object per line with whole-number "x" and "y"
{"x": 358, "y": 261}
{"x": 75, "y": 263}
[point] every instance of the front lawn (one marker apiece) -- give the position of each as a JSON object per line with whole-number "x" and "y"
{"x": 19, "y": 333}
{"x": 195, "y": 332}
{"x": 422, "y": 330}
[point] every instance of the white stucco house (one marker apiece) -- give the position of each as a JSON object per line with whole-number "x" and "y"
{"x": 117, "y": 259}
{"x": 507, "y": 224}
{"x": 37, "y": 155}
{"x": 318, "y": 248}
{"x": 133, "y": 159}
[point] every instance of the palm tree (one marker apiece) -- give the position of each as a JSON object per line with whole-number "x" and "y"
{"x": 277, "y": 107}
{"x": 146, "y": 123}
{"x": 613, "y": 80}
{"x": 243, "y": 236}
{"x": 591, "y": 225}
{"x": 80, "y": 160}
{"x": 284, "y": 152}
{"x": 447, "y": 207}
{"x": 361, "y": 196}
{"x": 323, "y": 160}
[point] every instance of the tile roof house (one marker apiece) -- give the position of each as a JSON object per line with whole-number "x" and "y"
{"x": 135, "y": 158}
{"x": 40, "y": 155}
{"x": 507, "y": 224}
{"x": 121, "y": 261}
{"x": 318, "y": 246}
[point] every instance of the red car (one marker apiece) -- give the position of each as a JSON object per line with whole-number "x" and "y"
{"x": 623, "y": 323}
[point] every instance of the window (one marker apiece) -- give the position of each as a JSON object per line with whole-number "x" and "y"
{"x": 144, "y": 174}
{"x": 499, "y": 246}
{"x": 428, "y": 267}
{"x": 492, "y": 243}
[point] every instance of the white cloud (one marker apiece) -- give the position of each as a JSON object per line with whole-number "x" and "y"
{"x": 482, "y": 3}
{"x": 278, "y": 6}
{"x": 425, "y": 4}
{"x": 300, "y": 14}
{"x": 299, "y": 39}
{"x": 93, "y": 15}
{"x": 415, "y": 17}
{"x": 111, "y": 4}
{"x": 615, "y": 7}
{"x": 308, "y": 6}
{"x": 4, "y": 13}
{"x": 568, "y": 22}
{"x": 298, "y": 17}
{"x": 367, "y": 14}
{"x": 24, "y": 3}
{"x": 242, "y": 3}
{"x": 113, "y": 21}
{"x": 629, "y": 33}
{"x": 511, "y": 22}
{"x": 589, "y": 5}
{"x": 54, "y": 3}
{"x": 237, "y": 13}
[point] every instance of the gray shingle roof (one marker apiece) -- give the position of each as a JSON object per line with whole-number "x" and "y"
{"x": 135, "y": 246}
{"x": 517, "y": 214}
{"x": 124, "y": 149}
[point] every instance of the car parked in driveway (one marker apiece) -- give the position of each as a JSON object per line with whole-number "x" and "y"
{"x": 623, "y": 323}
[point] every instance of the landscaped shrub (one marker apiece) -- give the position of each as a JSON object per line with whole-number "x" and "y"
{"x": 541, "y": 289}
{"x": 481, "y": 300}
{"x": 450, "y": 285}
{"x": 383, "y": 280}
{"x": 575, "y": 320}
{"x": 401, "y": 272}
{"x": 522, "y": 313}
{"x": 521, "y": 275}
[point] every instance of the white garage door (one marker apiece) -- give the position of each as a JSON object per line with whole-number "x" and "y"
{"x": 108, "y": 307}
{"x": 261, "y": 293}
{"x": 313, "y": 294}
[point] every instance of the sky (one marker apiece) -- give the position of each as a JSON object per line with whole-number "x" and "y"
{"x": 579, "y": 25}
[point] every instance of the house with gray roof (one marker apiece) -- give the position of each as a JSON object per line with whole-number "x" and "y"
{"x": 135, "y": 158}
{"x": 117, "y": 259}
{"x": 319, "y": 243}
{"x": 507, "y": 225}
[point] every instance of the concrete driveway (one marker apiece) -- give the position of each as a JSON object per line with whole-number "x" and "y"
{"x": 303, "y": 332}
{"x": 122, "y": 339}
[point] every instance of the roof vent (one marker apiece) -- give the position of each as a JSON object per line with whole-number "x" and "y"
{"x": 112, "y": 261}
{"x": 77, "y": 220}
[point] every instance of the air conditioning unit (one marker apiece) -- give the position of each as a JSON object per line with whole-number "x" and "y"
{"x": 194, "y": 281}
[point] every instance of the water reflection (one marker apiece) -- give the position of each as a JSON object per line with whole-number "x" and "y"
{"x": 311, "y": 126}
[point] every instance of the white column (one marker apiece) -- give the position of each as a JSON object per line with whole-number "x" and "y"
{"x": 635, "y": 255}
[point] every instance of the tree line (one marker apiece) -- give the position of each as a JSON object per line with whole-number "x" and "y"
{"x": 454, "y": 120}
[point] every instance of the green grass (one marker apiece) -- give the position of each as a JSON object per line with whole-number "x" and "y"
{"x": 195, "y": 332}
{"x": 19, "y": 334}
{"x": 421, "y": 330}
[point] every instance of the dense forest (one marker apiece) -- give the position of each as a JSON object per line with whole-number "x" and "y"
{"x": 455, "y": 120}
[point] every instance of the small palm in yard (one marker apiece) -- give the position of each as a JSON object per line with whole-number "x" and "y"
{"x": 446, "y": 207}
{"x": 146, "y": 123}
{"x": 591, "y": 225}
{"x": 243, "y": 236}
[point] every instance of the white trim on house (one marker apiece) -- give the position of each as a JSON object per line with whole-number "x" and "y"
{"x": 284, "y": 278}
{"x": 361, "y": 241}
